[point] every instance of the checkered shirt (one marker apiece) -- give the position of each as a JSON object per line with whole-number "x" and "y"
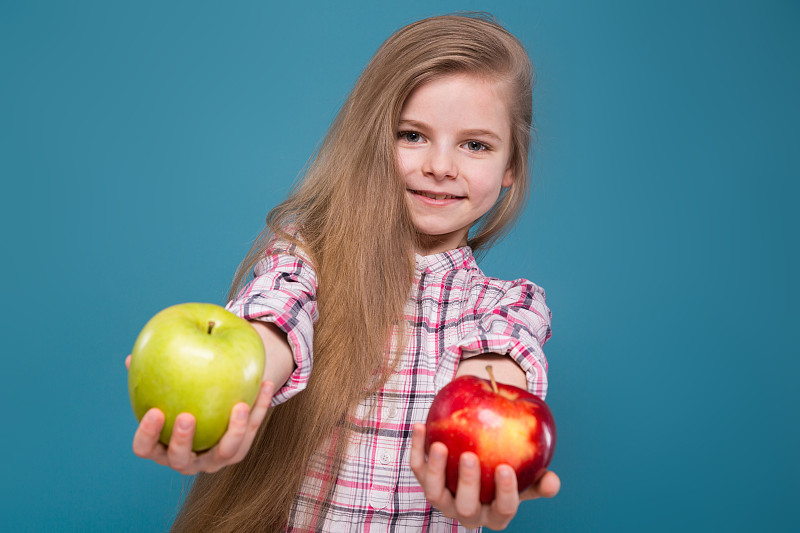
{"x": 454, "y": 312}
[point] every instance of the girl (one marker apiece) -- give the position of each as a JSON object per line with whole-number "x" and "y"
{"x": 369, "y": 300}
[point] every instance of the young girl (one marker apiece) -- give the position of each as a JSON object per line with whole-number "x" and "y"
{"x": 369, "y": 300}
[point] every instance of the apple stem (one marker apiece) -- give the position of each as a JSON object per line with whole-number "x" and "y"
{"x": 491, "y": 377}
{"x": 211, "y": 325}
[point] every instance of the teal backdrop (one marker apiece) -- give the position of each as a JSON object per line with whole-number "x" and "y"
{"x": 143, "y": 143}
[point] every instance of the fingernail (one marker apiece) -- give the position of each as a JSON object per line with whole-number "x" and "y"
{"x": 505, "y": 474}
{"x": 437, "y": 454}
{"x": 184, "y": 423}
{"x": 469, "y": 461}
{"x": 241, "y": 414}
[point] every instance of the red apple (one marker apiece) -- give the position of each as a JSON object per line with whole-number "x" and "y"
{"x": 501, "y": 424}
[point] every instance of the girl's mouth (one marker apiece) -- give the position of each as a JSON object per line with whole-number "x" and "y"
{"x": 435, "y": 196}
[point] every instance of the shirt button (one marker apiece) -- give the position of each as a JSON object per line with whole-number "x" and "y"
{"x": 393, "y": 412}
{"x": 385, "y": 458}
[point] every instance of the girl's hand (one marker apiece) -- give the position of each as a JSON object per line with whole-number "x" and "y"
{"x": 465, "y": 506}
{"x": 232, "y": 448}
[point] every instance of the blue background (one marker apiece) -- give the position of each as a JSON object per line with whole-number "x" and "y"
{"x": 143, "y": 143}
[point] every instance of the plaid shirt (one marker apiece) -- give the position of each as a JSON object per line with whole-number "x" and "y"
{"x": 454, "y": 312}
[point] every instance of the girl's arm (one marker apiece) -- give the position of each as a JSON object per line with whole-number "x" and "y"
{"x": 243, "y": 425}
{"x": 505, "y": 369}
{"x": 279, "y": 363}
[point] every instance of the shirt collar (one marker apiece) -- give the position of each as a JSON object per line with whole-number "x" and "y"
{"x": 460, "y": 258}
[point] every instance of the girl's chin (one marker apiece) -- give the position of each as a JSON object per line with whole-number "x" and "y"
{"x": 430, "y": 244}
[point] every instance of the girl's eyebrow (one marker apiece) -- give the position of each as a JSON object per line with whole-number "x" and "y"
{"x": 481, "y": 133}
{"x": 413, "y": 124}
{"x": 478, "y": 132}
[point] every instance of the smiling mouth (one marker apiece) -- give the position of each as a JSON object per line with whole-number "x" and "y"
{"x": 435, "y": 196}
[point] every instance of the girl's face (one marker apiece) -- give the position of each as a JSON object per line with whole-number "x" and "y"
{"x": 453, "y": 150}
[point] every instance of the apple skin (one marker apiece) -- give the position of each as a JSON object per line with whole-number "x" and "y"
{"x": 179, "y": 366}
{"x": 510, "y": 426}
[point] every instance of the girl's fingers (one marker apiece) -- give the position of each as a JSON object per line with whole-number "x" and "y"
{"x": 145, "y": 440}
{"x": 261, "y": 406}
{"x": 547, "y": 487}
{"x": 417, "y": 455}
{"x": 179, "y": 452}
{"x": 228, "y": 446}
{"x": 435, "y": 489}
{"x": 430, "y": 473}
{"x": 506, "y": 502}
{"x": 465, "y": 506}
{"x": 467, "y": 503}
{"x": 233, "y": 446}
{"x": 128, "y": 362}
{"x": 242, "y": 428}
{"x": 257, "y": 415}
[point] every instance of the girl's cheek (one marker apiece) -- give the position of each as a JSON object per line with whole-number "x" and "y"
{"x": 405, "y": 161}
{"x": 491, "y": 193}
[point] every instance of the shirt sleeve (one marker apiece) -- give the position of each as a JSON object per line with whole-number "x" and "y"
{"x": 284, "y": 292}
{"x": 517, "y": 325}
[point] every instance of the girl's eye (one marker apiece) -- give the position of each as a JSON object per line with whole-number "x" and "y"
{"x": 410, "y": 136}
{"x": 475, "y": 146}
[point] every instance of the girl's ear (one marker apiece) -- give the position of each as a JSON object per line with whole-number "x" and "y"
{"x": 508, "y": 177}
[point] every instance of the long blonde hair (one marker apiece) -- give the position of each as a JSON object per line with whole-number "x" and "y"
{"x": 352, "y": 221}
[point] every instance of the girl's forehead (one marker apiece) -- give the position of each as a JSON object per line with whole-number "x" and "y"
{"x": 497, "y": 85}
{"x": 460, "y": 98}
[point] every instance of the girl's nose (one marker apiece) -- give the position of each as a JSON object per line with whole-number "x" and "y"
{"x": 439, "y": 164}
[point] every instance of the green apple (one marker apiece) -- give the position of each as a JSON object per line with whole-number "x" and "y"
{"x": 195, "y": 358}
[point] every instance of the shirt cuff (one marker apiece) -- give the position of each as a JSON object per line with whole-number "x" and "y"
{"x": 301, "y": 353}
{"x": 527, "y": 354}
{"x": 294, "y": 320}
